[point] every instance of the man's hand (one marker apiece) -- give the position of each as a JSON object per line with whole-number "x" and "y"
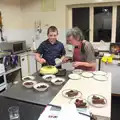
{"x": 42, "y": 60}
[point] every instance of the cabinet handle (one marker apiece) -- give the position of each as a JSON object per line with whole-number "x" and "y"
{"x": 23, "y": 59}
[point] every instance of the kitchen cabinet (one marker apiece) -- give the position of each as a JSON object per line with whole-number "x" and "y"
{"x": 115, "y": 70}
{"x": 24, "y": 65}
{"x": 28, "y": 63}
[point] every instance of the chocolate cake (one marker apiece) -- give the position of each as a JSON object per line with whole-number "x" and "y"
{"x": 72, "y": 93}
{"x": 97, "y": 100}
{"x": 80, "y": 103}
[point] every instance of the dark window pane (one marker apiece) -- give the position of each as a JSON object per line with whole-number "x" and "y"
{"x": 80, "y": 18}
{"x": 102, "y": 24}
{"x": 118, "y": 25}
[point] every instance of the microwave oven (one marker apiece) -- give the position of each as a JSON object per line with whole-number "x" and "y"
{"x": 15, "y": 46}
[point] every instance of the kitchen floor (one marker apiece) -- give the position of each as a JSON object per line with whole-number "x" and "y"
{"x": 115, "y": 115}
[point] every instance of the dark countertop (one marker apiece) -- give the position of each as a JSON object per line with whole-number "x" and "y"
{"x": 27, "y": 111}
{"x": 19, "y": 92}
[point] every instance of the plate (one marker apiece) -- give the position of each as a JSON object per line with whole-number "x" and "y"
{"x": 40, "y": 85}
{"x": 48, "y": 77}
{"x": 89, "y": 99}
{"x": 87, "y": 74}
{"x": 28, "y": 78}
{"x": 73, "y": 101}
{"x": 58, "y": 80}
{"x": 77, "y": 71}
{"x": 64, "y": 93}
{"x": 29, "y": 83}
{"x": 74, "y": 76}
{"x": 99, "y": 73}
{"x": 100, "y": 77}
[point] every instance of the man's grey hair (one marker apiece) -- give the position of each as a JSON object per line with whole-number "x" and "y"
{"x": 76, "y": 33}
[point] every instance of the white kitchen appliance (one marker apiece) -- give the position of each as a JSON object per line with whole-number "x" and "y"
{"x": 3, "y": 82}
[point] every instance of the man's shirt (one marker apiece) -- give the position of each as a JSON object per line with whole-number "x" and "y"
{"x": 50, "y": 51}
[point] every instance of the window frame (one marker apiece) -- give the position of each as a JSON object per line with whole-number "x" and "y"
{"x": 91, "y": 18}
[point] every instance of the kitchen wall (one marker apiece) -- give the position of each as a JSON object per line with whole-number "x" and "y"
{"x": 11, "y": 18}
{"x": 32, "y": 11}
{"x": 19, "y": 17}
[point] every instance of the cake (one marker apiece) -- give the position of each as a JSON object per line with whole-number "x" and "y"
{"x": 97, "y": 100}
{"x": 80, "y": 103}
{"x": 72, "y": 93}
{"x": 48, "y": 70}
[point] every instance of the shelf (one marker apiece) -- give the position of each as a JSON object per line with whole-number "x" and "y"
{"x": 13, "y": 70}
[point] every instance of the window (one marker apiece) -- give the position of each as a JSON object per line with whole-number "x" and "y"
{"x": 102, "y": 24}
{"x": 118, "y": 25}
{"x": 80, "y": 18}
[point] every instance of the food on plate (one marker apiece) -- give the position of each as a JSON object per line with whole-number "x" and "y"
{"x": 48, "y": 70}
{"x": 80, "y": 103}
{"x": 27, "y": 78}
{"x": 28, "y": 83}
{"x": 58, "y": 81}
{"x": 72, "y": 93}
{"x": 48, "y": 78}
{"x": 41, "y": 86}
{"x": 97, "y": 100}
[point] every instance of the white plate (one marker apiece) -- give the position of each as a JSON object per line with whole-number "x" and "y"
{"x": 77, "y": 71}
{"x": 28, "y": 78}
{"x": 100, "y": 77}
{"x": 99, "y": 73}
{"x": 67, "y": 90}
{"x": 74, "y": 76}
{"x": 74, "y": 100}
{"x": 89, "y": 99}
{"x": 29, "y": 85}
{"x": 57, "y": 78}
{"x": 46, "y": 77}
{"x": 41, "y": 89}
{"x": 87, "y": 74}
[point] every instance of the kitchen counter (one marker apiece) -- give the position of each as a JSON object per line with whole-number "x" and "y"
{"x": 19, "y": 92}
{"x": 88, "y": 86}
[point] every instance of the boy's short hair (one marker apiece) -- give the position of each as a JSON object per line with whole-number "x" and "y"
{"x": 52, "y": 29}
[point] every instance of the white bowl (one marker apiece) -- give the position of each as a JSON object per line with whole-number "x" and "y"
{"x": 77, "y": 71}
{"x": 57, "y": 78}
{"x": 26, "y": 78}
{"x": 41, "y": 89}
{"x": 29, "y": 85}
{"x": 47, "y": 76}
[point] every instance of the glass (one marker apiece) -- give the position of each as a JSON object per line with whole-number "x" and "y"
{"x": 80, "y": 18}
{"x": 102, "y": 24}
{"x": 118, "y": 25}
{"x": 14, "y": 113}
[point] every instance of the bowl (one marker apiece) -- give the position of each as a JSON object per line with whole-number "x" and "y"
{"x": 58, "y": 81}
{"x": 26, "y": 78}
{"x": 48, "y": 78}
{"x": 41, "y": 86}
{"x": 29, "y": 83}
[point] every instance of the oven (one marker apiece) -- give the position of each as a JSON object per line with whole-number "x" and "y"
{"x": 3, "y": 82}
